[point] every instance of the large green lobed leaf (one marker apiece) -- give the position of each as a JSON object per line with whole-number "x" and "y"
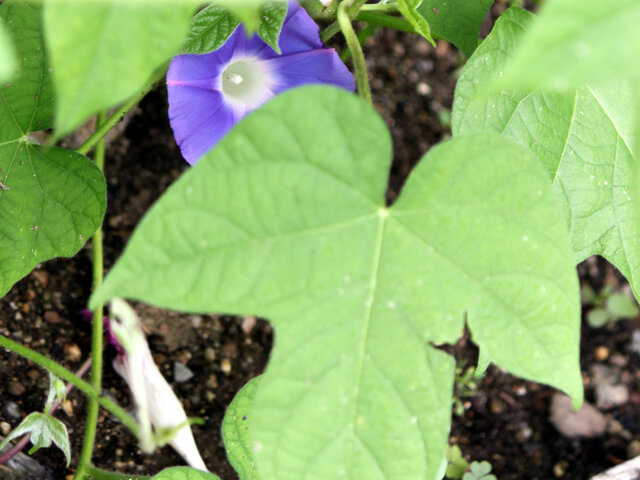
{"x": 457, "y": 21}
{"x": 573, "y": 42}
{"x": 291, "y": 224}
{"x": 584, "y": 138}
{"x": 7, "y": 55}
{"x": 51, "y": 200}
{"x": 103, "y": 52}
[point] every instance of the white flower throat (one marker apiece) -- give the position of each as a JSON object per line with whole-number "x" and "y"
{"x": 246, "y": 82}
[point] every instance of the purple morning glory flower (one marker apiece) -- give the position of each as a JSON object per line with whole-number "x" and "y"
{"x": 210, "y": 93}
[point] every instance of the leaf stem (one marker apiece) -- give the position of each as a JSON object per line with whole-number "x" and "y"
{"x": 68, "y": 376}
{"x": 359, "y": 64}
{"x": 111, "y": 122}
{"x": 329, "y": 32}
{"x": 97, "y": 328}
{"x": 100, "y": 474}
{"x": 383, "y": 20}
{"x": 380, "y": 7}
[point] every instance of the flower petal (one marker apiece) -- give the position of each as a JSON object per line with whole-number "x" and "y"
{"x": 317, "y": 66}
{"x": 199, "y": 119}
{"x": 299, "y": 32}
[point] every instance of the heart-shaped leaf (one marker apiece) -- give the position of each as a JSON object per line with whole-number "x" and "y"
{"x": 290, "y": 224}
{"x": 456, "y": 21}
{"x": 573, "y": 42}
{"x": 51, "y": 200}
{"x": 584, "y": 139}
{"x": 94, "y": 64}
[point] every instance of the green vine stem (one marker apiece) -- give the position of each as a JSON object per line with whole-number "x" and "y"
{"x": 103, "y": 128}
{"x": 97, "y": 330}
{"x": 353, "y": 43}
{"x": 70, "y": 377}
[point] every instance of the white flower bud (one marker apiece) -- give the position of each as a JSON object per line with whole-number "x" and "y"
{"x": 156, "y": 403}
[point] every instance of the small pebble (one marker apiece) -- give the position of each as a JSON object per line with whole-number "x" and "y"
{"x": 196, "y": 321}
{"x": 225, "y": 366}
{"x": 423, "y": 47}
{"x": 51, "y": 317}
{"x": 559, "y": 470}
{"x": 33, "y": 374}
{"x": 442, "y": 49}
{"x": 634, "y": 345}
{"x": 67, "y": 407}
{"x": 618, "y": 360}
{"x": 209, "y": 354}
{"x": 423, "y": 89}
{"x": 601, "y": 353}
{"x": 633, "y": 449}
{"x": 588, "y": 422}
{"x": 210, "y": 396}
{"x": 212, "y": 381}
{"x": 496, "y": 406}
{"x": 603, "y": 374}
{"x": 181, "y": 372}
{"x": 16, "y": 389}
{"x": 72, "y": 352}
{"x": 610, "y": 396}
{"x": 12, "y": 410}
{"x": 41, "y": 277}
{"x": 248, "y": 323}
{"x": 5, "y": 428}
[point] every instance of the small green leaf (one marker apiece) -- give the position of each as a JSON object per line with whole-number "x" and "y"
{"x": 51, "y": 200}
{"x": 584, "y": 138}
{"x": 457, "y": 463}
{"x": 598, "y": 317}
{"x": 57, "y": 391}
{"x": 235, "y": 432}
{"x": 184, "y": 473}
{"x": 248, "y": 11}
{"x": 621, "y": 306}
{"x": 103, "y": 52}
{"x": 8, "y": 63}
{"x": 588, "y": 296}
{"x": 408, "y": 8}
{"x": 44, "y": 429}
{"x": 479, "y": 471}
{"x": 357, "y": 291}
{"x": 210, "y": 28}
{"x": 456, "y": 21}
{"x": 573, "y": 42}
{"x": 272, "y": 15}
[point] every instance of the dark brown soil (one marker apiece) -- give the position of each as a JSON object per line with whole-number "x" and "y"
{"x": 506, "y": 422}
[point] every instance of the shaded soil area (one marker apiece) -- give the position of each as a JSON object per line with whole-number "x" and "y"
{"x": 505, "y": 422}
